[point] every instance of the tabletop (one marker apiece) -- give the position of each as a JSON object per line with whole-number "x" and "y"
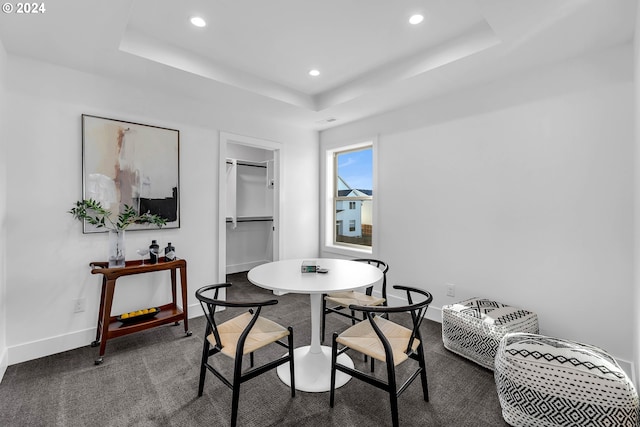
{"x": 285, "y": 276}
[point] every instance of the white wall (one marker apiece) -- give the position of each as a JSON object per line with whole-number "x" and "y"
{"x": 48, "y": 256}
{"x": 4, "y": 358}
{"x": 520, "y": 190}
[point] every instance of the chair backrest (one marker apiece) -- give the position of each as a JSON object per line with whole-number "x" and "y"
{"x": 382, "y": 266}
{"x": 208, "y": 298}
{"x": 417, "y": 311}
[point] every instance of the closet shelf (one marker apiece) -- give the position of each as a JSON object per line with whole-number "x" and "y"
{"x": 248, "y": 163}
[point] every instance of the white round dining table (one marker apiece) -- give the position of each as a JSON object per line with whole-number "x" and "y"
{"x": 313, "y": 362}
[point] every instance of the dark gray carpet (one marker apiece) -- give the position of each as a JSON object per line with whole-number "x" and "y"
{"x": 151, "y": 379}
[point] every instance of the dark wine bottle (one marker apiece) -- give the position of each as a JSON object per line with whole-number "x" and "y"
{"x": 154, "y": 250}
{"x": 169, "y": 252}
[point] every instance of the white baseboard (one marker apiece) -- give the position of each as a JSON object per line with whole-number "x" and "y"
{"x": 4, "y": 362}
{"x": 195, "y": 310}
{"x": 628, "y": 368}
{"x": 435, "y": 313}
{"x": 245, "y": 266}
{"x": 48, "y": 346}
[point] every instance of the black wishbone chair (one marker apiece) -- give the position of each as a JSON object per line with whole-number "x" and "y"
{"x": 342, "y": 300}
{"x": 388, "y": 342}
{"x": 237, "y": 337}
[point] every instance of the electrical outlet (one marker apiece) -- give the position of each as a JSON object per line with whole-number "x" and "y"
{"x": 79, "y": 305}
{"x": 451, "y": 290}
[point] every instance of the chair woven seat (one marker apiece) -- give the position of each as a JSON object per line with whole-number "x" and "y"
{"x": 361, "y": 337}
{"x": 264, "y": 332}
{"x": 340, "y": 301}
{"x": 391, "y": 343}
{"x": 236, "y": 337}
{"x": 348, "y": 298}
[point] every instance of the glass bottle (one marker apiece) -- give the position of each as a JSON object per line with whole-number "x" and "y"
{"x": 170, "y": 253}
{"x": 154, "y": 249}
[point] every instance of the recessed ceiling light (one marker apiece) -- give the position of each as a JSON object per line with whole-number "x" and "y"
{"x": 314, "y": 73}
{"x": 416, "y": 19}
{"x": 198, "y": 21}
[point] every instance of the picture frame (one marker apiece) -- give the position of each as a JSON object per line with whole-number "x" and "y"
{"x": 127, "y": 163}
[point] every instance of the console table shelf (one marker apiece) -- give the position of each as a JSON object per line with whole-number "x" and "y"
{"x": 169, "y": 313}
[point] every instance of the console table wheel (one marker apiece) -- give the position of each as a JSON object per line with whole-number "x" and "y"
{"x": 99, "y": 361}
{"x": 95, "y": 343}
{"x": 189, "y": 333}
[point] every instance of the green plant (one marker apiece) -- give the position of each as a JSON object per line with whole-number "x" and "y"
{"x": 93, "y": 212}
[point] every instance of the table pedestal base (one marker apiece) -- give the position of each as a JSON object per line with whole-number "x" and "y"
{"x": 313, "y": 370}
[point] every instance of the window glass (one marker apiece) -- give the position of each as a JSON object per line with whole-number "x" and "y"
{"x": 353, "y": 197}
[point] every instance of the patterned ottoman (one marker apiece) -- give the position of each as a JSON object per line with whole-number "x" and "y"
{"x": 473, "y": 328}
{"x": 544, "y": 381}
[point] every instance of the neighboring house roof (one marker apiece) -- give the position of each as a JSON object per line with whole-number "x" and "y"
{"x": 347, "y": 191}
{"x": 358, "y": 193}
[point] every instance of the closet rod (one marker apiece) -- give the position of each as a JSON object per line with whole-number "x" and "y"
{"x": 249, "y": 219}
{"x": 246, "y": 163}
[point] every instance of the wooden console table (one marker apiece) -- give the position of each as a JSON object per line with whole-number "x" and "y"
{"x": 108, "y": 325}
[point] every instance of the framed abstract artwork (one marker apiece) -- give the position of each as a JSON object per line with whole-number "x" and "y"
{"x": 125, "y": 163}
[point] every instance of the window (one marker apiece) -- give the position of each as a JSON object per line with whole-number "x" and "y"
{"x": 353, "y": 197}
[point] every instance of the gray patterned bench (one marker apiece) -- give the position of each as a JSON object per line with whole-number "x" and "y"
{"x": 473, "y": 328}
{"x": 544, "y": 381}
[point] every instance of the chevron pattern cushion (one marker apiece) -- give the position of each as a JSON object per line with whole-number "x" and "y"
{"x": 544, "y": 381}
{"x": 473, "y": 328}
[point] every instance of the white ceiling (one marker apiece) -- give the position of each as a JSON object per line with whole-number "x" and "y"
{"x": 259, "y": 52}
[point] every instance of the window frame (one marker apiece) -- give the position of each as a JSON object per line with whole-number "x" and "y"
{"x": 331, "y": 196}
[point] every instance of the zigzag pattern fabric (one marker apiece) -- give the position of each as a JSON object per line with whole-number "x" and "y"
{"x": 473, "y": 328}
{"x": 548, "y": 382}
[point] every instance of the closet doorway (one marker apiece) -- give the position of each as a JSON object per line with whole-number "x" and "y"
{"x": 249, "y": 203}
